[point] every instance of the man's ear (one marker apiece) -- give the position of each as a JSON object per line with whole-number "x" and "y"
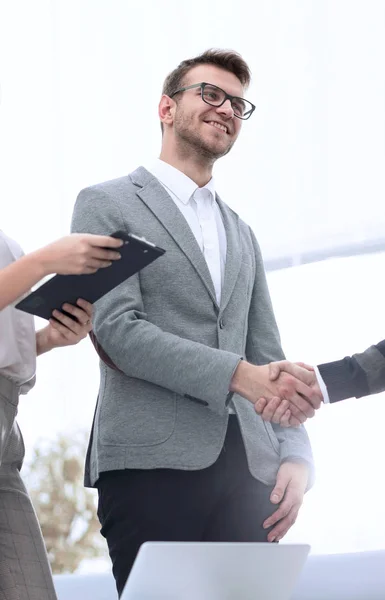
{"x": 166, "y": 110}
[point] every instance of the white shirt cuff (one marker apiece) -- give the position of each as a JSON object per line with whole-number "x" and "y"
{"x": 322, "y": 385}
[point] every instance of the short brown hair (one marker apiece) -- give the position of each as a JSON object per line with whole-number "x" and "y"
{"x": 225, "y": 59}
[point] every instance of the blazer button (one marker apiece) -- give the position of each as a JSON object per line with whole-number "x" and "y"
{"x": 221, "y": 323}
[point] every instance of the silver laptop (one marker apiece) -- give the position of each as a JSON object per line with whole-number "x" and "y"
{"x": 215, "y": 571}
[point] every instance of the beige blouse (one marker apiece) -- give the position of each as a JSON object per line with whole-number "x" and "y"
{"x": 17, "y": 331}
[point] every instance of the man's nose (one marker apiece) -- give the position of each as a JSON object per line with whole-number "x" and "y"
{"x": 226, "y": 109}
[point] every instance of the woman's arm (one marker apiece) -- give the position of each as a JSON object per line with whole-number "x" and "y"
{"x": 74, "y": 254}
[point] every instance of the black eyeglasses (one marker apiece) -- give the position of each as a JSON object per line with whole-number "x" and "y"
{"x": 215, "y": 96}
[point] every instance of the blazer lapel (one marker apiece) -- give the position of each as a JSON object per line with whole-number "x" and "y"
{"x": 233, "y": 254}
{"x": 153, "y": 194}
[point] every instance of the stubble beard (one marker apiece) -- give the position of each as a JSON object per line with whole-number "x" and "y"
{"x": 189, "y": 142}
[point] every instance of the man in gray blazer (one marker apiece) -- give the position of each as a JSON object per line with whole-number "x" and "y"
{"x": 177, "y": 450}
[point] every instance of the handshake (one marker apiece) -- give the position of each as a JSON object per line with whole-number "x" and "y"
{"x": 282, "y": 392}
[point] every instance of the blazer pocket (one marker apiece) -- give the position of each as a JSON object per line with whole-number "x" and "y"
{"x": 134, "y": 412}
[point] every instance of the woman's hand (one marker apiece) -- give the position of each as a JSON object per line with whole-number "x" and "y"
{"x": 78, "y": 253}
{"x": 64, "y": 330}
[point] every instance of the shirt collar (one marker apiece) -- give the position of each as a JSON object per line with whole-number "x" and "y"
{"x": 177, "y": 182}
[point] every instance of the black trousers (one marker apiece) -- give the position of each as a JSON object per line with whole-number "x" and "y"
{"x": 221, "y": 503}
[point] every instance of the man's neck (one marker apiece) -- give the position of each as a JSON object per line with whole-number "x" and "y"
{"x": 198, "y": 172}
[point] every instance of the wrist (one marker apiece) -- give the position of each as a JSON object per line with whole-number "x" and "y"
{"x": 43, "y": 343}
{"x": 35, "y": 266}
{"x": 238, "y": 382}
{"x": 298, "y": 460}
{"x": 248, "y": 381}
{"x": 40, "y": 262}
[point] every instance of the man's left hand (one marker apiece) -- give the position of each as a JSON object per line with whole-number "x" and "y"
{"x": 289, "y": 490}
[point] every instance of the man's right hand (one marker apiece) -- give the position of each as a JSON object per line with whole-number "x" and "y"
{"x": 78, "y": 253}
{"x": 291, "y": 397}
{"x": 271, "y": 409}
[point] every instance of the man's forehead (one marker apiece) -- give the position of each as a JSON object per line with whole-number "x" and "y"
{"x": 215, "y": 75}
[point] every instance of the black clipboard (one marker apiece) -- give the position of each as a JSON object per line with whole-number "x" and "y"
{"x": 136, "y": 253}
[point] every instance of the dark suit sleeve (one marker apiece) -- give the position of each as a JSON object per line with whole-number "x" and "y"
{"x": 355, "y": 376}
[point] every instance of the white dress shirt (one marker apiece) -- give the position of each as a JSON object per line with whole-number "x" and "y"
{"x": 322, "y": 385}
{"x": 17, "y": 331}
{"x": 202, "y": 213}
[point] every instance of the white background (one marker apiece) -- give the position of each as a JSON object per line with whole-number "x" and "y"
{"x": 80, "y": 85}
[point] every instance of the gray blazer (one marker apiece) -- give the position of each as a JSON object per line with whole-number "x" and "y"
{"x": 175, "y": 347}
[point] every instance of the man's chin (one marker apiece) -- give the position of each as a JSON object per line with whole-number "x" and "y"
{"x": 208, "y": 147}
{"x": 216, "y": 150}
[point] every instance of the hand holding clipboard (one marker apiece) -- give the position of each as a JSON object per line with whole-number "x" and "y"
{"x": 136, "y": 253}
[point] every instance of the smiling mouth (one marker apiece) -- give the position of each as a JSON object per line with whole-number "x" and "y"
{"x": 218, "y": 126}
